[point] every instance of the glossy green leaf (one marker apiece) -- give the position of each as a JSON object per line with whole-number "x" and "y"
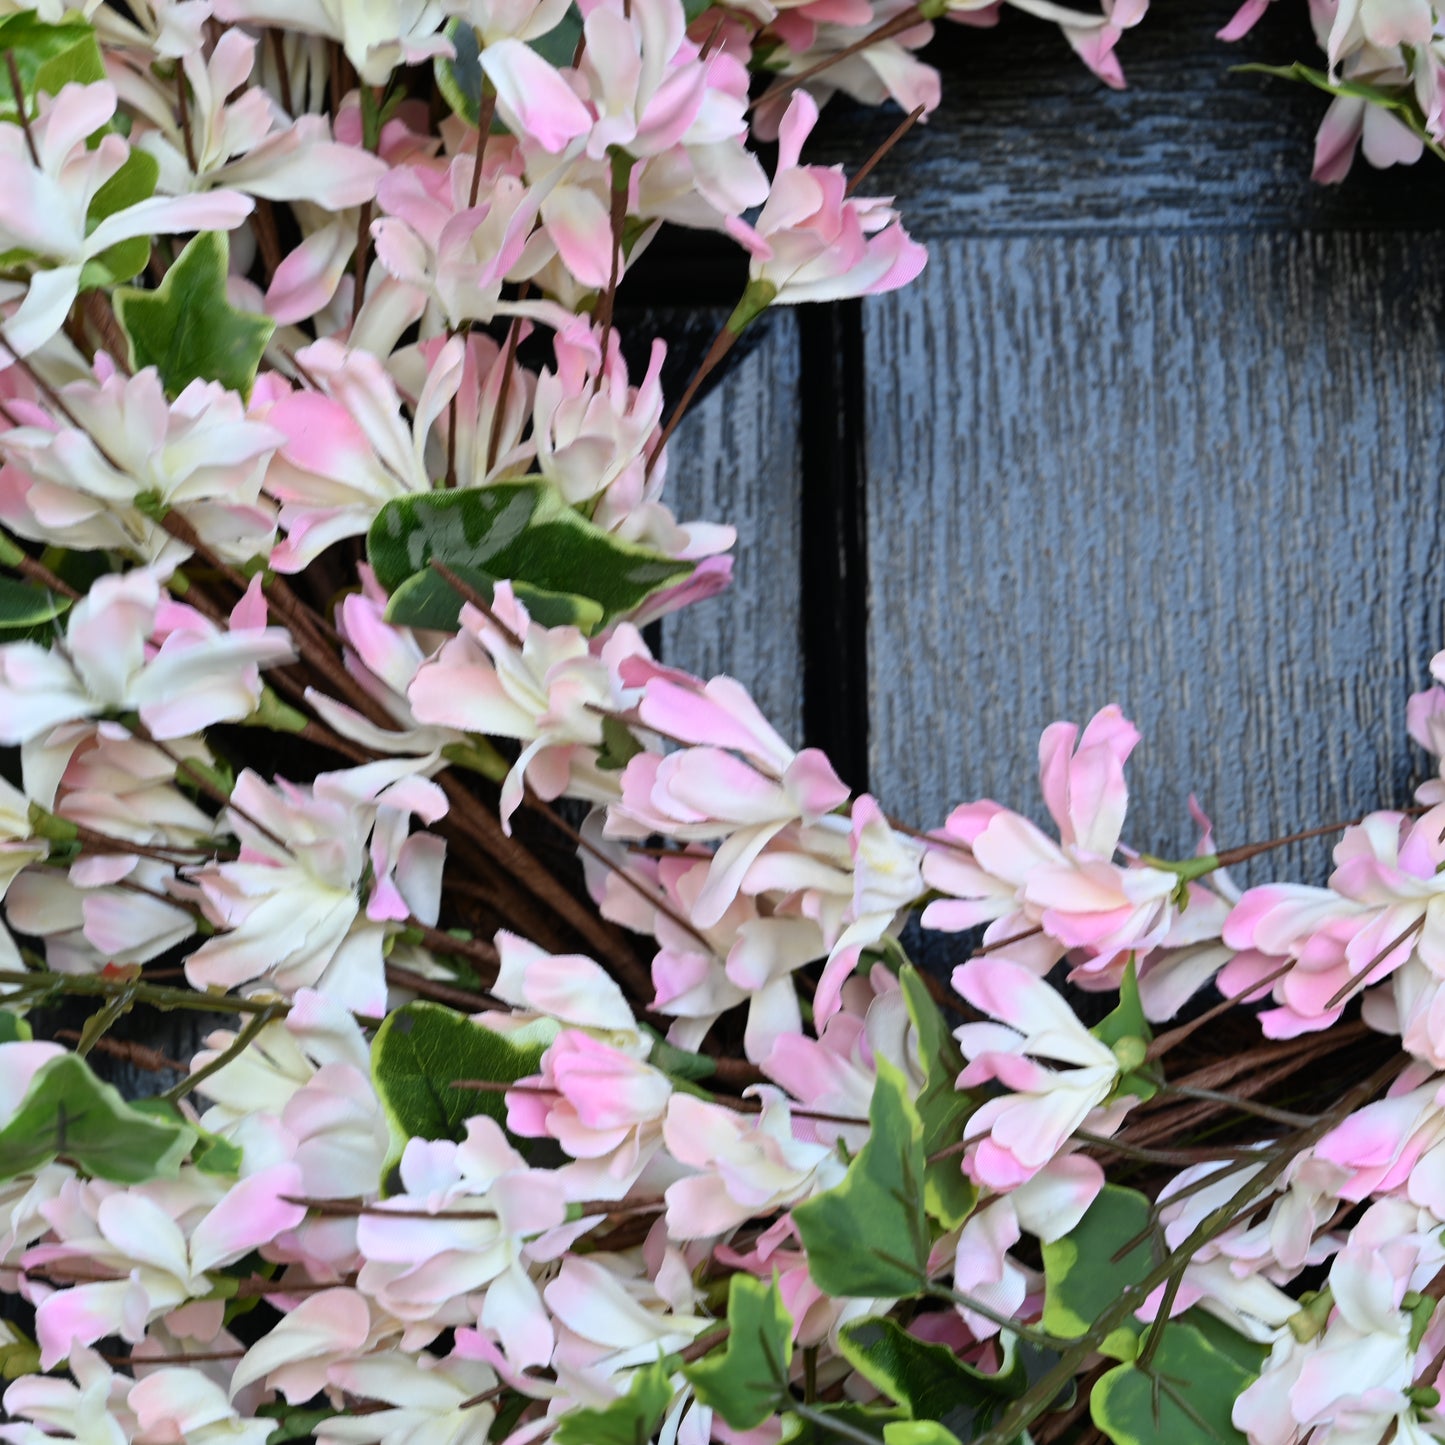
{"x": 134, "y": 182}
{"x": 211, "y": 1154}
{"x": 293, "y": 1424}
{"x": 1248, "y": 1354}
{"x": 422, "y": 1049}
{"x": 631, "y": 1420}
{"x": 830, "y": 1424}
{"x": 187, "y": 329}
{"x": 928, "y": 1380}
{"x": 746, "y": 1381}
{"x": 1110, "y": 1249}
{"x": 459, "y": 75}
{"x": 559, "y": 45}
{"x": 522, "y": 531}
{"x": 69, "y": 1112}
{"x": 1127, "y": 1032}
{"x": 27, "y": 611}
{"x": 429, "y": 600}
{"x": 619, "y": 745}
{"x": 918, "y": 1432}
{"x": 869, "y": 1235}
{"x": 13, "y": 1028}
{"x": 1184, "y": 1397}
{"x": 47, "y": 58}
{"x": 948, "y": 1194}
{"x": 19, "y": 1354}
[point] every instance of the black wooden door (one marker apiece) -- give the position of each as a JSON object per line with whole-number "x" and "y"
{"x": 1161, "y": 424}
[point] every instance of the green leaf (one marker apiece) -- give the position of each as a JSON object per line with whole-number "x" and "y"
{"x": 1185, "y": 1397}
{"x": 78, "y": 64}
{"x": 826, "y": 1424}
{"x": 459, "y": 76}
{"x": 13, "y": 1028}
{"x": 422, "y": 1049}
{"x": 211, "y": 1154}
{"x": 429, "y": 600}
{"x": 19, "y": 1354}
{"x": 68, "y": 1111}
{"x": 1086, "y": 1271}
{"x": 522, "y": 531}
{"x": 619, "y": 745}
{"x": 214, "y": 1155}
{"x": 869, "y": 1236}
{"x": 187, "y": 329}
{"x": 748, "y": 1381}
{"x": 1248, "y": 1354}
{"x": 47, "y": 57}
{"x": 1127, "y": 1032}
{"x": 559, "y": 45}
{"x": 25, "y": 609}
{"x": 293, "y": 1424}
{"x": 631, "y": 1420}
{"x": 928, "y": 1380}
{"x": 918, "y": 1432}
{"x": 134, "y": 182}
{"x": 948, "y": 1194}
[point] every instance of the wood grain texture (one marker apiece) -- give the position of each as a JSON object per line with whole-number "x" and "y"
{"x": 1028, "y": 140}
{"x": 735, "y": 459}
{"x": 1196, "y": 475}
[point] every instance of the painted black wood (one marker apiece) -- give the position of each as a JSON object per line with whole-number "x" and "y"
{"x": 1028, "y": 141}
{"x": 1161, "y": 424}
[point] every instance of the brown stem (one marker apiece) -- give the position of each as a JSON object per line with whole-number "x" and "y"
{"x": 468, "y": 593}
{"x": 363, "y": 259}
{"x": 268, "y": 238}
{"x": 17, "y": 89}
{"x": 1245, "y": 851}
{"x": 1169, "y": 1039}
{"x": 140, "y": 1056}
{"x": 283, "y": 71}
{"x": 722, "y": 344}
{"x": 896, "y": 26}
{"x": 37, "y": 571}
{"x": 184, "y": 104}
{"x": 508, "y": 364}
{"x": 484, "y": 129}
{"x": 868, "y": 166}
{"x": 97, "y": 310}
{"x": 1362, "y": 978}
{"x": 617, "y": 217}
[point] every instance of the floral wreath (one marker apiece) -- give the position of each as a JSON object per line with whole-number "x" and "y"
{"x": 332, "y": 518}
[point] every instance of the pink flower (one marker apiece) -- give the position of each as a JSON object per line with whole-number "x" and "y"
{"x": 1047, "y": 1206}
{"x": 459, "y": 1254}
{"x": 506, "y": 676}
{"x": 593, "y": 430}
{"x": 239, "y": 136}
{"x": 48, "y": 201}
{"x": 91, "y": 483}
{"x": 311, "y": 901}
{"x": 346, "y": 449}
{"x": 812, "y": 242}
{"x": 603, "y": 1107}
{"x": 1019, "y": 1132}
{"x": 197, "y": 676}
{"x": 1385, "y": 906}
{"x": 1072, "y": 891}
{"x": 746, "y": 1164}
{"x": 376, "y": 37}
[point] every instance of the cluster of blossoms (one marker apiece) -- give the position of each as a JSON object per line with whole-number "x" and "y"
{"x": 1386, "y": 71}
{"x": 476, "y": 1164}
